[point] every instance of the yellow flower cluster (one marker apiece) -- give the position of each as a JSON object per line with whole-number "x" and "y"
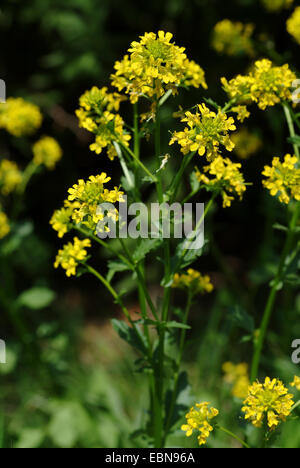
{"x": 246, "y": 143}
{"x": 265, "y": 85}
{"x": 194, "y": 281}
{"x": 276, "y": 5}
{"x": 10, "y": 176}
{"x": 232, "y": 38}
{"x": 89, "y": 195}
{"x": 293, "y": 25}
{"x": 97, "y": 114}
{"x": 269, "y": 402}
{"x": 237, "y": 375}
{"x": 19, "y": 117}
{"x": 47, "y": 151}
{"x": 61, "y": 220}
{"x": 205, "y": 132}
{"x": 155, "y": 65}
{"x": 227, "y": 179}
{"x": 296, "y": 382}
{"x": 283, "y": 178}
{"x": 4, "y": 225}
{"x": 199, "y": 419}
{"x": 71, "y": 255}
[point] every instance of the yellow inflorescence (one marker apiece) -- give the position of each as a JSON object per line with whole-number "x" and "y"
{"x": 227, "y": 179}
{"x": 233, "y": 38}
{"x": 155, "y": 65}
{"x": 97, "y": 114}
{"x": 19, "y": 117}
{"x": 198, "y": 419}
{"x": 277, "y": 5}
{"x": 265, "y": 85}
{"x": 246, "y": 143}
{"x": 193, "y": 281}
{"x": 47, "y": 151}
{"x": 296, "y": 382}
{"x": 269, "y": 402}
{"x": 237, "y": 375}
{"x": 71, "y": 255}
{"x": 293, "y": 25}
{"x": 62, "y": 219}
{"x": 10, "y": 176}
{"x": 4, "y": 225}
{"x": 283, "y": 178}
{"x": 206, "y": 131}
{"x": 89, "y": 195}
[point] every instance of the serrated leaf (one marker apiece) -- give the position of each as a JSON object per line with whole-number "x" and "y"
{"x": 129, "y": 335}
{"x": 116, "y": 266}
{"x": 146, "y": 246}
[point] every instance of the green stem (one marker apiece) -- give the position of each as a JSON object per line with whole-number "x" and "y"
{"x": 231, "y": 434}
{"x": 173, "y": 189}
{"x": 290, "y": 123}
{"x": 295, "y": 406}
{"x": 273, "y": 294}
{"x": 145, "y": 169}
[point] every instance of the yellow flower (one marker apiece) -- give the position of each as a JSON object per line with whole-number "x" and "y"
{"x": 283, "y": 179}
{"x": 237, "y": 375}
{"x": 19, "y": 117}
{"x": 266, "y": 85}
{"x": 296, "y": 382}
{"x": 10, "y": 176}
{"x": 4, "y": 225}
{"x": 227, "y": 179}
{"x": 205, "y": 132}
{"x": 246, "y": 143}
{"x": 47, "y": 151}
{"x": 194, "y": 281}
{"x": 71, "y": 255}
{"x": 62, "y": 219}
{"x": 276, "y": 5}
{"x": 89, "y": 195}
{"x": 198, "y": 419}
{"x": 268, "y": 402}
{"x": 242, "y": 112}
{"x": 233, "y": 38}
{"x": 155, "y": 64}
{"x": 293, "y": 25}
{"x": 97, "y": 115}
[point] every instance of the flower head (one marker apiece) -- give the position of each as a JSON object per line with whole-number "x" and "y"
{"x": 232, "y": 38}
{"x": 4, "y": 225}
{"x": 89, "y": 195}
{"x": 47, "y": 151}
{"x": 154, "y": 65}
{"x": 276, "y": 5}
{"x": 293, "y": 25}
{"x": 19, "y": 117}
{"x": 246, "y": 143}
{"x": 199, "y": 419}
{"x": 296, "y": 382}
{"x": 193, "y": 281}
{"x": 62, "y": 219}
{"x": 206, "y": 131}
{"x": 227, "y": 179}
{"x": 10, "y": 176}
{"x": 283, "y": 179}
{"x": 72, "y": 255}
{"x": 97, "y": 114}
{"x": 237, "y": 375}
{"x": 269, "y": 402}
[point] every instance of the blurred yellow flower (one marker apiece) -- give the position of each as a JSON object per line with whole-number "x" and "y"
{"x": 71, "y": 255}
{"x": 233, "y": 38}
{"x": 19, "y": 117}
{"x": 10, "y": 176}
{"x": 206, "y": 131}
{"x": 47, "y": 151}
{"x": 296, "y": 382}
{"x": 237, "y": 375}
{"x": 193, "y": 281}
{"x": 277, "y": 5}
{"x": 293, "y": 25}
{"x": 246, "y": 143}
{"x": 283, "y": 179}
{"x": 199, "y": 419}
{"x": 269, "y": 402}
{"x": 62, "y": 219}
{"x": 4, "y": 225}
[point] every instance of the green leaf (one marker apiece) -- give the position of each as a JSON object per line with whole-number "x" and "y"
{"x": 174, "y": 324}
{"x": 36, "y": 298}
{"x": 129, "y": 335}
{"x": 146, "y": 246}
{"x": 295, "y": 140}
{"x": 30, "y": 438}
{"x": 280, "y": 227}
{"x": 116, "y": 266}
{"x": 239, "y": 317}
